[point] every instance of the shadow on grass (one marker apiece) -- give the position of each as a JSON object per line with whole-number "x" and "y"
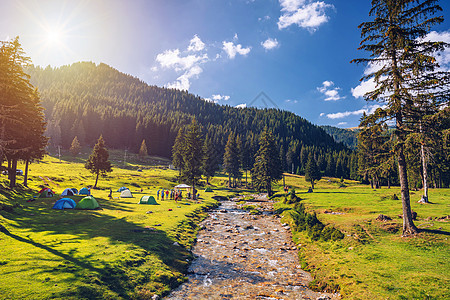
{"x": 435, "y": 231}
{"x": 117, "y": 277}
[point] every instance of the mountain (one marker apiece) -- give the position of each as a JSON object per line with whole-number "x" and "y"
{"x": 86, "y": 100}
{"x": 349, "y": 137}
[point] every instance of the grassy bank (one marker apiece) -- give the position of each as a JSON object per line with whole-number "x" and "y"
{"x": 373, "y": 260}
{"x": 124, "y": 250}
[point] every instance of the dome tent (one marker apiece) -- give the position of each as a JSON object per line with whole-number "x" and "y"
{"x": 64, "y": 203}
{"x": 84, "y": 191}
{"x": 68, "y": 192}
{"x": 122, "y": 189}
{"x": 126, "y": 194}
{"x": 46, "y": 193}
{"x": 88, "y": 202}
{"x": 148, "y": 200}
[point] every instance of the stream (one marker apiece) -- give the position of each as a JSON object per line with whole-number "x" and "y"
{"x": 243, "y": 256}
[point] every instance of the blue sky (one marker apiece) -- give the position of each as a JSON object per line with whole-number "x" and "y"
{"x": 297, "y": 52}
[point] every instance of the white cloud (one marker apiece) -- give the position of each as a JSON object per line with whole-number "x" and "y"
{"x": 443, "y": 58}
{"x": 304, "y": 13}
{"x": 322, "y": 114}
{"x": 342, "y": 123}
{"x": 243, "y": 105}
{"x": 231, "y": 49}
{"x": 367, "y": 109}
{"x": 196, "y": 44}
{"x": 291, "y": 101}
{"x": 265, "y": 18}
{"x": 219, "y": 97}
{"x": 332, "y": 94}
{"x": 270, "y": 44}
{"x": 154, "y": 68}
{"x": 181, "y": 62}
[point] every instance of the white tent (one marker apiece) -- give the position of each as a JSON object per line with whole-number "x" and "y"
{"x": 182, "y": 186}
{"x": 68, "y": 192}
{"x": 126, "y": 194}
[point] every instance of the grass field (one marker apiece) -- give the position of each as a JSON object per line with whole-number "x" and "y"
{"x": 126, "y": 250}
{"x": 373, "y": 261}
{"x": 123, "y": 250}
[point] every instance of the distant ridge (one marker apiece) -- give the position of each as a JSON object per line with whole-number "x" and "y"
{"x": 347, "y": 136}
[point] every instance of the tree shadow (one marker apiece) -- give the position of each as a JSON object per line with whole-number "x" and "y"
{"x": 87, "y": 225}
{"x": 435, "y": 231}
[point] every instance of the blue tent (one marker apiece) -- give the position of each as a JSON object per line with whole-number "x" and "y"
{"x": 122, "y": 189}
{"x": 84, "y": 191}
{"x": 64, "y": 203}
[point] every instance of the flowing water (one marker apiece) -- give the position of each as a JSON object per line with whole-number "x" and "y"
{"x": 240, "y": 256}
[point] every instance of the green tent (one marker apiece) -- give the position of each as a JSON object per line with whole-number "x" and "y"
{"x": 88, "y": 202}
{"x": 148, "y": 200}
{"x": 208, "y": 189}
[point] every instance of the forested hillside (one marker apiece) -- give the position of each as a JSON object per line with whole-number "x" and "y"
{"x": 346, "y": 136}
{"x": 86, "y": 100}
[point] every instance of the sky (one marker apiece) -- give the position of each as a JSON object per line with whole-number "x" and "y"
{"x": 288, "y": 54}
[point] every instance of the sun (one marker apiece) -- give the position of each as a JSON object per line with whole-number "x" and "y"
{"x": 54, "y": 36}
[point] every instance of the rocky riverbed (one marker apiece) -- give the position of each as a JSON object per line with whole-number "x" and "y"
{"x": 243, "y": 256}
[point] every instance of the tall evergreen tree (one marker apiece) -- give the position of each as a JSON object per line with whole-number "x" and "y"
{"x": 98, "y": 162}
{"x": 312, "y": 172}
{"x": 395, "y": 40}
{"x": 231, "y": 163}
{"x": 21, "y": 117}
{"x": 193, "y": 155}
{"x": 177, "y": 150}
{"x": 211, "y": 159}
{"x": 267, "y": 167}
{"x": 143, "y": 152}
{"x": 75, "y": 147}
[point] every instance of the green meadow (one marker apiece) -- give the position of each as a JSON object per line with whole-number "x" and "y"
{"x": 123, "y": 250}
{"x": 373, "y": 261}
{"x": 132, "y": 251}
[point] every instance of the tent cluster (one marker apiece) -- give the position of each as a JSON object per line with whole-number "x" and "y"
{"x": 88, "y": 202}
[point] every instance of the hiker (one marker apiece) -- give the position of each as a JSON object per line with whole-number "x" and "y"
{"x": 175, "y": 196}
{"x": 110, "y": 193}
{"x": 167, "y": 194}
{"x": 157, "y": 195}
{"x": 162, "y": 194}
{"x": 171, "y": 194}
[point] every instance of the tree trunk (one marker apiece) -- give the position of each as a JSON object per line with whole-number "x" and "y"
{"x": 96, "y": 180}
{"x": 25, "y": 175}
{"x": 12, "y": 174}
{"x": 193, "y": 190}
{"x": 246, "y": 184}
{"x": 371, "y": 182}
{"x": 388, "y": 183}
{"x": 425, "y": 174}
{"x": 229, "y": 180}
{"x": 408, "y": 224}
{"x": 312, "y": 183}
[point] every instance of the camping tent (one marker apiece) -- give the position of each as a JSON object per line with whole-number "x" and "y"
{"x": 148, "y": 200}
{"x": 64, "y": 203}
{"x": 84, "y": 191}
{"x": 208, "y": 189}
{"x": 122, "y": 189}
{"x": 126, "y": 194}
{"x": 182, "y": 186}
{"x": 75, "y": 191}
{"x": 88, "y": 202}
{"x": 68, "y": 192}
{"x": 46, "y": 193}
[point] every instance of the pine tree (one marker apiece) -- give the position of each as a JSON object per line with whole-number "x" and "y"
{"x": 98, "y": 162}
{"x": 75, "y": 147}
{"x": 21, "y": 114}
{"x": 312, "y": 172}
{"x": 267, "y": 167}
{"x": 211, "y": 159}
{"x": 395, "y": 40}
{"x": 193, "y": 155}
{"x": 231, "y": 159}
{"x": 143, "y": 150}
{"x": 177, "y": 150}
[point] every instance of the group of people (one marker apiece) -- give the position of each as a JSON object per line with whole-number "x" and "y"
{"x": 174, "y": 195}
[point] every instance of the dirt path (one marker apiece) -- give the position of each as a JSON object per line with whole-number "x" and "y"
{"x": 240, "y": 256}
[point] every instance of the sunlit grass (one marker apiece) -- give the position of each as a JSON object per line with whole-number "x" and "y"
{"x": 374, "y": 261}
